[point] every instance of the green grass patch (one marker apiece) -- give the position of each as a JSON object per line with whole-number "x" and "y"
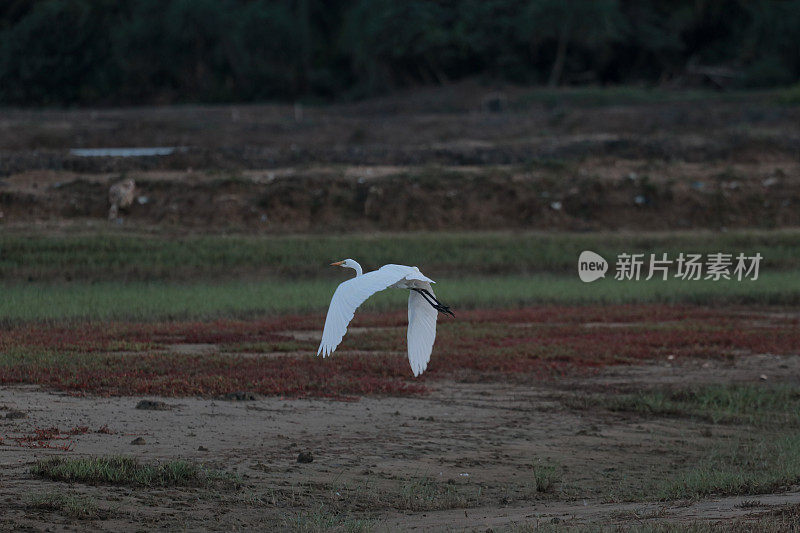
{"x": 68, "y": 504}
{"x": 127, "y": 471}
{"x": 757, "y": 466}
{"x": 147, "y": 301}
{"x": 326, "y": 519}
{"x": 545, "y": 477}
{"x": 732, "y": 404}
{"x": 763, "y": 461}
{"x": 426, "y": 494}
{"x": 113, "y": 256}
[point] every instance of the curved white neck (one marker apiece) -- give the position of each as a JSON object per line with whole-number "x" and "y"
{"x": 357, "y": 268}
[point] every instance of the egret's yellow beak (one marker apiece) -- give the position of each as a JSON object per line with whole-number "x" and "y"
{"x": 337, "y": 263}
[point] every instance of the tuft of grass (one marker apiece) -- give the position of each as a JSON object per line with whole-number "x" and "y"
{"x": 545, "y": 476}
{"x": 640, "y": 514}
{"x": 127, "y": 471}
{"x": 749, "y": 467}
{"x": 733, "y": 404}
{"x": 426, "y": 494}
{"x": 324, "y": 519}
{"x": 71, "y": 505}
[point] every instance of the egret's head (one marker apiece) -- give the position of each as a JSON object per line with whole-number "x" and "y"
{"x": 345, "y": 263}
{"x": 349, "y": 263}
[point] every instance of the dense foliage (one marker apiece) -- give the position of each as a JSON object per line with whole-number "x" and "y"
{"x": 134, "y": 51}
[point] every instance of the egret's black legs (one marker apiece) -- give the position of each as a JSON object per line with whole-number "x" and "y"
{"x": 427, "y": 298}
{"x": 436, "y": 304}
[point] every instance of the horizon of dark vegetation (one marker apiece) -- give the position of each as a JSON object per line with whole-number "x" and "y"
{"x": 99, "y": 52}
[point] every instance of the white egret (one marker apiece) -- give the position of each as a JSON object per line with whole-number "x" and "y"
{"x": 423, "y": 308}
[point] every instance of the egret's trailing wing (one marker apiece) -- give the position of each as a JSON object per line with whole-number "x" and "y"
{"x": 421, "y": 331}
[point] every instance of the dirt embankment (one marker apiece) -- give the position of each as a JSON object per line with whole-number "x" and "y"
{"x": 436, "y": 161}
{"x": 591, "y": 195}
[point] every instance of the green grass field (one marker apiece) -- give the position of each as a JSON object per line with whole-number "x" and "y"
{"x": 119, "y": 256}
{"x": 143, "y": 277}
{"x": 160, "y": 300}
{"x": 760, "y": 405}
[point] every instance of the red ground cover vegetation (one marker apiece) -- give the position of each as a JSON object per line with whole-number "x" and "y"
{"x": 276, "y": 356}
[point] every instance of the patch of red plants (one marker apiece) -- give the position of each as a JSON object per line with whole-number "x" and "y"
{"x": 41, "y": 438}
{"x": 479, "y": 345}
{"x": 89, "y": 338}
{"x": 204, "y": 375}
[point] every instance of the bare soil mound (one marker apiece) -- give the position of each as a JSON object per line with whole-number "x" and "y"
{"x": 592, "y": 194}
{"x": 424, "y": 161}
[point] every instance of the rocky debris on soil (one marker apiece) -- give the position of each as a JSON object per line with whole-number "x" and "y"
{"x": 153, "y": 405}
{"x": 305, "y": 457}
{"x": 240, "y": 396}
{"x": 14, "y": 414}
{"x": 138, "y": 441}
{"x": 120, "y": 194}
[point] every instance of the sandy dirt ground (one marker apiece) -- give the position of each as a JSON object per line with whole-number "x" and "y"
{"x": 472, "y": 446}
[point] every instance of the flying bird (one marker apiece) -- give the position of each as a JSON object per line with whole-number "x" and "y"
{"x": 423, "y": 308}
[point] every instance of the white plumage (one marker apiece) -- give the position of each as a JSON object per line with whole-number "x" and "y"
{"x": 422, "y": 313}
{"x": 421, "y": 332}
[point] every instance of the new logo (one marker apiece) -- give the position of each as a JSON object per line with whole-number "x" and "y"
{"x": 591, "y": 266}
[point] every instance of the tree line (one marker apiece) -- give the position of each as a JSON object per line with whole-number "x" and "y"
{"x": 163, "y": 51}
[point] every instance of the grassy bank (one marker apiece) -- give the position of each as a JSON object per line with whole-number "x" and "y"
{"x": 120, "y": 275}
{"x": 158, "y": 300}
{"x": 122, "y": 256}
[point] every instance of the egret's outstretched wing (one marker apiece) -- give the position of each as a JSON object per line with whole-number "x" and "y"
{"x": 348, "y": 296}
{"x": 421, "y": 331}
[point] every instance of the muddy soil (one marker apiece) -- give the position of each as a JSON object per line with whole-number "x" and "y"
{"x": 470, "y": 448}
{"x": 425, "y": 161}
{"x": 596, "y": 194}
